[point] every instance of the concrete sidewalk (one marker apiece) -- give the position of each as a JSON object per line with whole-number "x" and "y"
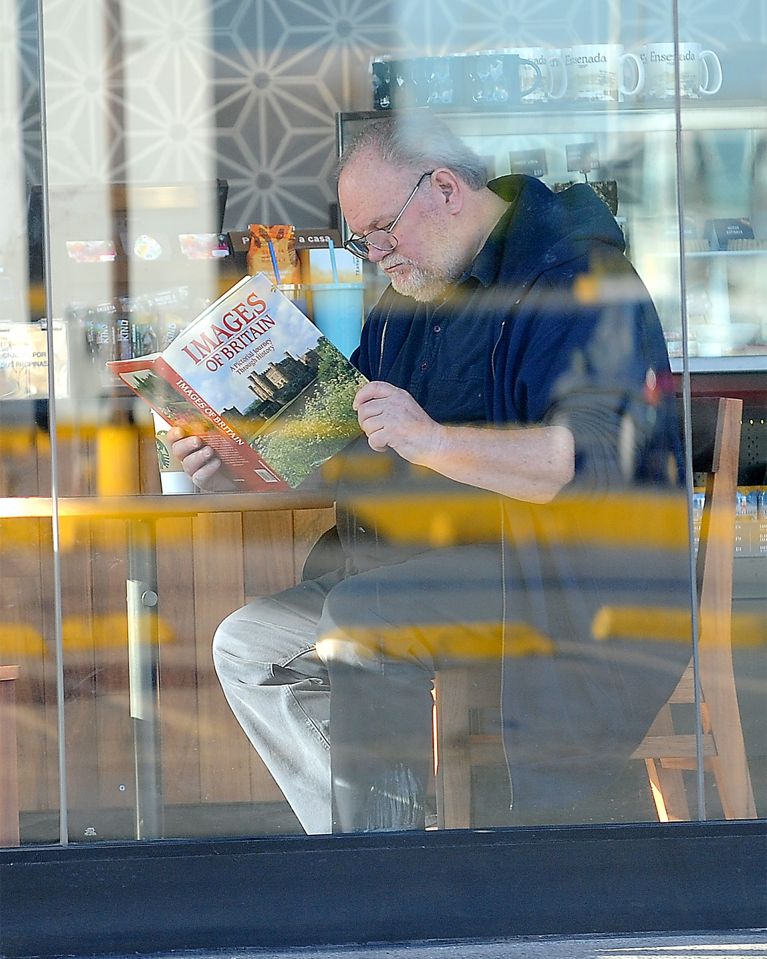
{"x": 734, "y": 945}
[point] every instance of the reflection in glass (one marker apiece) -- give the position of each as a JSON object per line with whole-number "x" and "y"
{"x": 521, "y": 648}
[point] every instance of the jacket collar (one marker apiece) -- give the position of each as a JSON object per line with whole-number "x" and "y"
{"x": 487, "y": 263}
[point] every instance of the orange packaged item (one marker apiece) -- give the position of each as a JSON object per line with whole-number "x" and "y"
{"x": 283, "y": 242}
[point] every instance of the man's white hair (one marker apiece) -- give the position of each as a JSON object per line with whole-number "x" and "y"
{"x": 417, "y": 140}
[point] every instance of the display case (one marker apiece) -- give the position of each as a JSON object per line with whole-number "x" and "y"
{"x": 703, "y": 232}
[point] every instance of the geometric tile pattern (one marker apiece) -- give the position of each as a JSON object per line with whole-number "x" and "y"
{"x": 248, "y": 89}
{"x": 18, "y": 28}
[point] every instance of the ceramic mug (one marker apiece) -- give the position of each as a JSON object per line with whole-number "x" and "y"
{"x": 173, "y": 479}
{"x": 380, "y": 82}
{"x": 700, "y": 71}
{"x": 494, "y": 79}
{"x": 597, "y": 71}
{"x": 443, "y": 79}
{"x": 552, "y": 70}
{"x": 420, "y": 82}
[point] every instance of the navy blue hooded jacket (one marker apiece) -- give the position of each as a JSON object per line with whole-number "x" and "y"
{"x": 573, "y": 335}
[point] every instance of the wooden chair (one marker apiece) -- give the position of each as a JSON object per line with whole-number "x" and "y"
{"x": 666, "y": 752}
{"x": 9, "y": 770}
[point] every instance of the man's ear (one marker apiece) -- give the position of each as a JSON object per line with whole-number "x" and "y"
{"x": 452, "y": 189}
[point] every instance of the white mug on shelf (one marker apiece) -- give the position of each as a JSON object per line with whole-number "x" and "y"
{"x": 553, "y": 76}
{"x": 598, "y": 71}
{"x": 700, "y": 71}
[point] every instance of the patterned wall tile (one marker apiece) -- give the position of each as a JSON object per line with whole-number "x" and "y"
{"x": 282, "y": 70}
{"x": 24, "y": 28}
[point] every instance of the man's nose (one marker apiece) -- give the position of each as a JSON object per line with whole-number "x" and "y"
{"x": 375, "y": 256}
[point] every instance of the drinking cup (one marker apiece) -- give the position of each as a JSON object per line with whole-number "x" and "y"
{"x": 598, "y": 71}
{"x": 173, "y": 479}
{"x": 442, "y": 79}
{"x": 407, "y": 83}
{"x": 380, "y": 81}
{"x": 700, "y": 71}
{"x": 552, "y": 69}
{"x": 493, "y": 79}
{"x": 337, "y": 311}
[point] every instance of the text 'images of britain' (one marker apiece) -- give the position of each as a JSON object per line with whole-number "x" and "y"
{"x": 258, "y": 380}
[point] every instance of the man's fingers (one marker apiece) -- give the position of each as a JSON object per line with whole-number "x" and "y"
{"x": 370, "y": 408}
{"x": 185, "y": 446}
{"x": 175, "y": 433}
{"x": 376, "y": 389}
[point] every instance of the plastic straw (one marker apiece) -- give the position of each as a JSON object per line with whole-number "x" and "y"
{"x": 333, "y": 265}
{"x": 277, "y": 277}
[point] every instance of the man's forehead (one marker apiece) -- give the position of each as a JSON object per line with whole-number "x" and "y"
{"x": 369, "y": 191}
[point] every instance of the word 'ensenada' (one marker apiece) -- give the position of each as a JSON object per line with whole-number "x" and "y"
{"x": 669, "y": 57}
{"x": 595, "y": 58}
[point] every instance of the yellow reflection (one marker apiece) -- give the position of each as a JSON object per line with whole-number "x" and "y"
{"x": 485, "y": 640}
{"x": 20, "y": 639}
{"x": 618, "y": 520}
{"x": 749, "y": 630}
{"x": 105, "y": 630}
{"x": 117, "y": 467}
{"x": 102, "y": 631}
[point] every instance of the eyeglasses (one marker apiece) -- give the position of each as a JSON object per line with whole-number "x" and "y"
{"x": 382, "y": 239}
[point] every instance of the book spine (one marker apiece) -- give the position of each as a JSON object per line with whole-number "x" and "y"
{"x": 241, "y": 461}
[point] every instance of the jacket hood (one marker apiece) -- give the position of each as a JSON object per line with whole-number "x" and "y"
{"x": 546, "y": 230}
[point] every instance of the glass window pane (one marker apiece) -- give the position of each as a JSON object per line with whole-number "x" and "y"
{"x": 492, "y": 630}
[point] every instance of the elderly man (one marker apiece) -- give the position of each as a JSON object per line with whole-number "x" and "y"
{"x": 515, "y": 357}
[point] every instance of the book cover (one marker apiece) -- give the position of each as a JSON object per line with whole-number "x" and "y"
{"x": 258, "y": 381}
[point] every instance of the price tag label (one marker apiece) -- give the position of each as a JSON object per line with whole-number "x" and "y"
{"x": 582, "y": 157}
{"x": 531, "y": 162}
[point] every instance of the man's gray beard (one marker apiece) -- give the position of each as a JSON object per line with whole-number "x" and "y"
{"x": 422, "y": 285}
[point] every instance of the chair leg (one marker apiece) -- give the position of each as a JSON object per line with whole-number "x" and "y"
{"x": 9, "y": 769}
{"x": 657, "y": 790}
{"x": 666, "y": 782}
{"x": 453, "y": 749}
{"x": 674, "y": 795}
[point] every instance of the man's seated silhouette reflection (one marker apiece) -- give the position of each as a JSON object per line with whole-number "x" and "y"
{"x": 519, "y": 382}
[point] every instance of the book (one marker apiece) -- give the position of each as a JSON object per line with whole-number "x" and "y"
{"x": 258, "y": 381}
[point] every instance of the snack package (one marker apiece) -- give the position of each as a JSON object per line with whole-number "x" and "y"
{"x": 283, "y": 241}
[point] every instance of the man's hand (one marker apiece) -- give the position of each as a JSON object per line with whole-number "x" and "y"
{"x": 391, "y": 417}
{"x": 526, "y": 463}
{"x": 199, "y": 461}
